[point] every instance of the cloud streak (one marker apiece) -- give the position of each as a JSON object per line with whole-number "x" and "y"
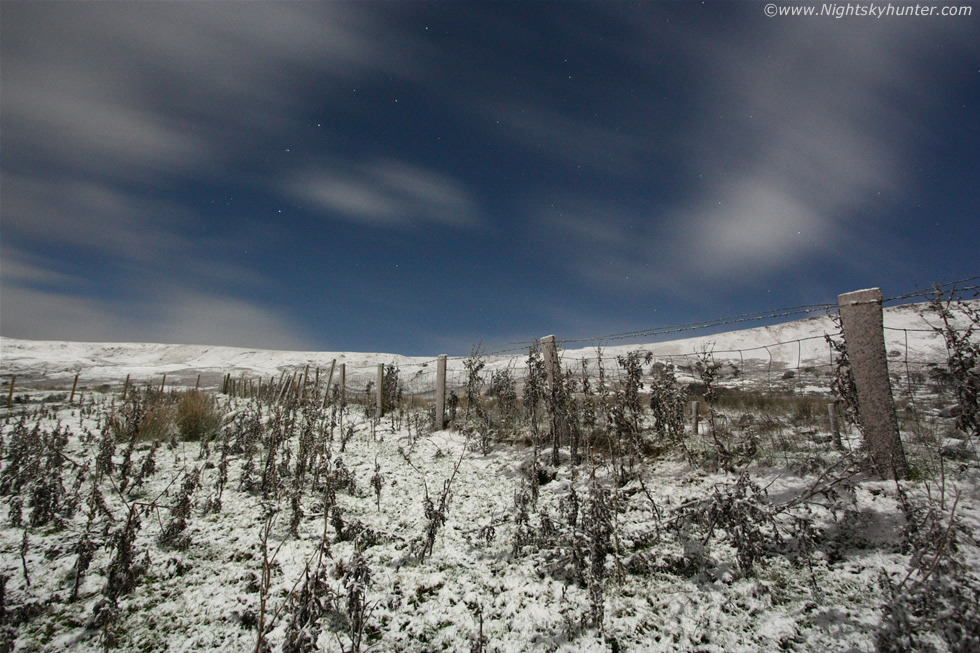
{"x": 387, "y": 193}
{"x": 802, "y": 132}
{"x": 110, "y": 109}
{"x": 140, "y": 89}
{"x": 162, "y": 314}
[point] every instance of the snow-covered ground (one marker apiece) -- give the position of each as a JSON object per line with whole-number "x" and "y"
{"x": 795, "y": 547}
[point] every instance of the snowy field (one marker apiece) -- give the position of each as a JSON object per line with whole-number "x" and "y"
{"x": 293, "y": 526}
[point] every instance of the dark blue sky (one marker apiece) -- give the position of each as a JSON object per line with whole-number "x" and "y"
{"x": 418, "y": 177}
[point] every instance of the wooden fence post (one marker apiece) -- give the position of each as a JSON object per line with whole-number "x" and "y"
{"x": 73, "y": 386}
{"x": 440, "y": 422}
{"x": 835, "y": 426}
{"x": 695, "y": 417}
{"x": 126, "y": 388}
{"x": 379, "y": 412}
{"x": 342, "y": 382}
{"x": 197, "y": 385}
{"x": 163, "y": 383}
{"x": 278, "y": 387}
{"x": 549, "y": 353}
{"x": 10, "y": 395}
{"x": 863, "y": 325}
{"x": 326, "y": 396}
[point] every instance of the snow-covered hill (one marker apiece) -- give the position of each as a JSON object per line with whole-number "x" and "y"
{"x": 788, "y": 345}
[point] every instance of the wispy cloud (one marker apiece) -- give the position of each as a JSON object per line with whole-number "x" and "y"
{"x": 23, "y": 269}
{"x": 138, "y": 89}
{"x": 819, "y": 130}
{"x": 572, "y": 141}
{"x": 803, "y": 131}
{"x": 161, "y": 314}
{"x": 111, "y": 109}
{"x": 387, "y": 193}
{"x": 106, "y": 217}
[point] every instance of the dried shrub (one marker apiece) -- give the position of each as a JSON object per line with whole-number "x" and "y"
{"x": 938, "y": 601}
{"x": 174, "y": 534}
{"x": 963, "y": 354}
{"x": 198, "y": 417}
{"x": 667, "y": 402}
{"x": 741, "y": 512}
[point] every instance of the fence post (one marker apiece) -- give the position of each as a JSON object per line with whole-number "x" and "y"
{"x": 695, "y": 416}
{"x": 863, "y": 325}
{"x": 326, "y": 395}
{"x": 342, "y": 382}
{"x": 835, "y": 426}
{"x": 281, "y": 389}
{"x": 381, "y": 377}
{"x": 126, "y": 388}
{"x": 279, "y": 386}
{"x": 73, "y": 386}
{"x": 163, "y": 383}
{"x": 10, "y": 395}
{"x": 549, "y": 352}
{"x": 441, "y": 392}
{"x": 197, "y": 384}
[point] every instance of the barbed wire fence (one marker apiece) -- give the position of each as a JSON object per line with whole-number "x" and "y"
{"x": 799, "y": 366}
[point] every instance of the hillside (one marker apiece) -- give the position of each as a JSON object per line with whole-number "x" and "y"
{"x": 790, "y": 345}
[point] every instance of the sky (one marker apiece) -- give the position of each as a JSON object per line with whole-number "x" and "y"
{"x": 422, "y": 177}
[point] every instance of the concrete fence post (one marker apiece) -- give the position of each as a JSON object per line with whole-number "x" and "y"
{"x": 863, "y": 325}
{"x": 441, "y": 392}
{"x": 381, "y": 378}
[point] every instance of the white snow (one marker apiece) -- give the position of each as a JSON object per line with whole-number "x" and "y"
{"x": 206, "y": 597}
